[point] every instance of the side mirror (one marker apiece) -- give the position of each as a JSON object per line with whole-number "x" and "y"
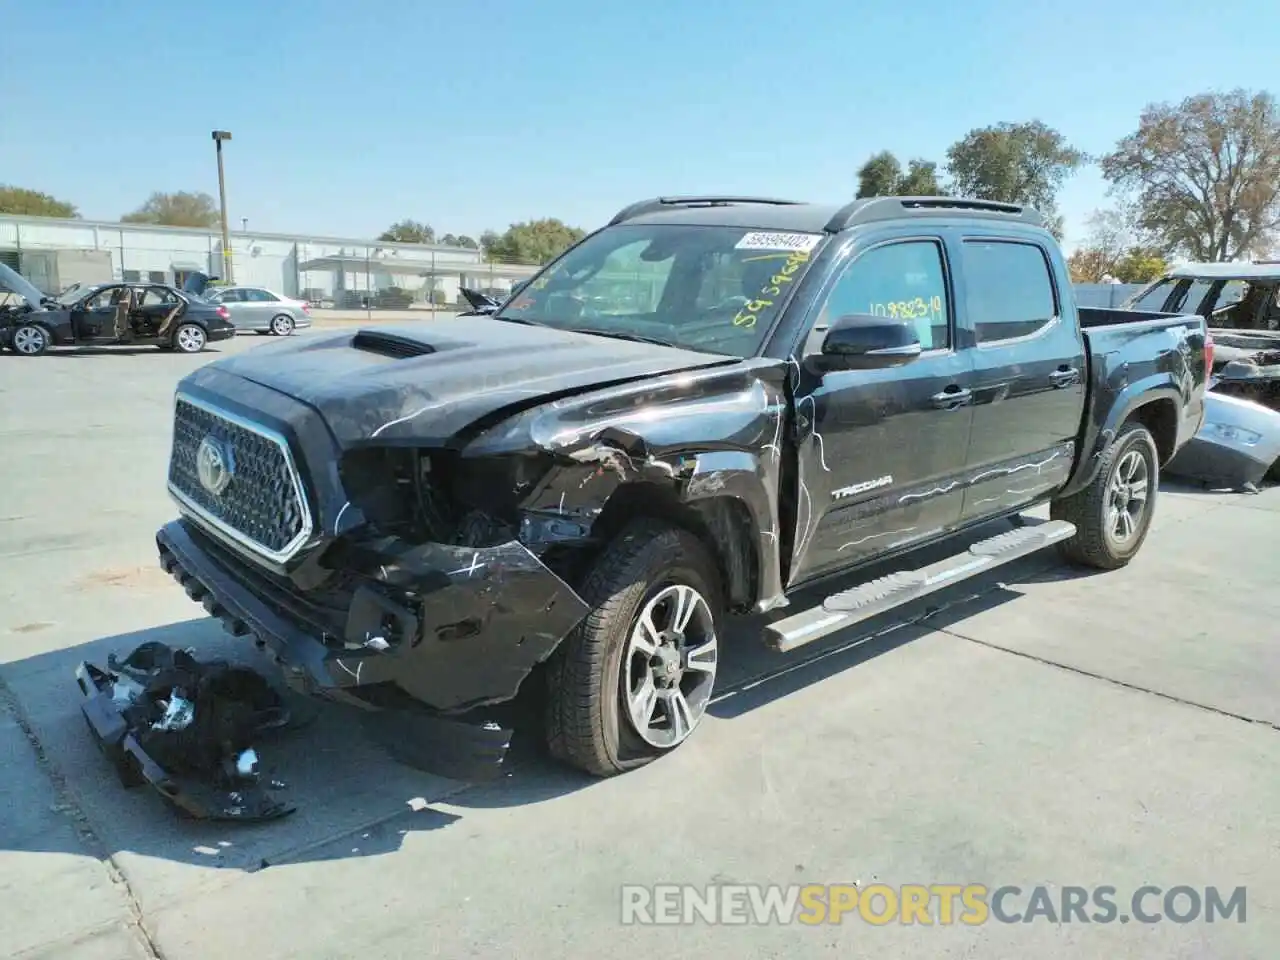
{"x": 862, "y": 341}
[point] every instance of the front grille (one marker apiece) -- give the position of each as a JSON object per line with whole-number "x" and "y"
{"x": 261, "y": 504}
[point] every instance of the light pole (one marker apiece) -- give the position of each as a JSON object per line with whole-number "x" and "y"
{"x": 218, "y": 137}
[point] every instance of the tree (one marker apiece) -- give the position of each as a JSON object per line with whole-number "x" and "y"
{"x": 1141, "y": 265}
{"x": 535, "y": 241}
{"x": 879, "y": 176}
{"x": 1089, "y": 265}
{"x": 32, "y": 203}
{"x": 1117, "y": 247}
{"x": 921, "y": 180}
{"x": 882, "y": 176}
{"x": 408, "y": 231}
{"x": 459, "y": 240}
{"x": 1111, "y": 233}
{"x": 181, "y": 209}
{"x": 1024, "y": 163}
{"x": 1205, "y": 173}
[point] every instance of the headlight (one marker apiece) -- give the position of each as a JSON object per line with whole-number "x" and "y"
{"x": 1233, "y": 434}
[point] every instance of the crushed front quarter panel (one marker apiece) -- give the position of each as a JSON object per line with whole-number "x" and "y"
{"x": 709, "y": 437}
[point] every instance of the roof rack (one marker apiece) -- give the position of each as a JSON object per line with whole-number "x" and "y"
{"x": 871, "y": 209}
{"x": 640, "y": 208}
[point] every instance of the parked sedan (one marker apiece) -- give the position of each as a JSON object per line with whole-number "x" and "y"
{"x": 258, "y": 310}
{"x": 158, "y": 315}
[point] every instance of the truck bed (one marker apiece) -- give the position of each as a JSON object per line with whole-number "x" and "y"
{"x": 1093, "y": 317}
{"x": 1128, "y": 349}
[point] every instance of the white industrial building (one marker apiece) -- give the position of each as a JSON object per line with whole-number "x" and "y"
{"x": 54, "y": 254}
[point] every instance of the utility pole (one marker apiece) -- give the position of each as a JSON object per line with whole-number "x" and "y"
{"x": 227, "y": 274}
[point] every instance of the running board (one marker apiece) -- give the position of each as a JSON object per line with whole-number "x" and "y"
{"x": 875, "y": 597}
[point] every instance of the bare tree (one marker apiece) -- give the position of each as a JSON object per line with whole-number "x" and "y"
{"x": 1205, "y": 174}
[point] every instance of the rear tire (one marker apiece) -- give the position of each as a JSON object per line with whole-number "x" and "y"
{"x": 189, "y": 338}
{"x": 609, "y": 669}
{"x": 281, "y": 325}
{"x": 1113, "y": 514}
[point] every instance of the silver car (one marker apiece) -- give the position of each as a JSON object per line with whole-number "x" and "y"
{"x": 258, "y": 310}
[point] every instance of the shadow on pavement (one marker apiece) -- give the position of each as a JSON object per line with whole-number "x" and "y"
{"x": 352, "y": 799}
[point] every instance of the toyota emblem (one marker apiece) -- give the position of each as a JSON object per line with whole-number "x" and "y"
{"x": 215, "y": 465}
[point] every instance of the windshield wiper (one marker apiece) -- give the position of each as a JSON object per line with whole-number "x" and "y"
{"x": 623, "y": 335}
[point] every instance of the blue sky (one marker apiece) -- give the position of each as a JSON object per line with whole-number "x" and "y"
{"x": 477, "y": 113}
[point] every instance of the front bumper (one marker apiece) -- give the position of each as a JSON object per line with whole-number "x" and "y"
{"x": 1237, "y": 445}
{"x": 431, "y": 633}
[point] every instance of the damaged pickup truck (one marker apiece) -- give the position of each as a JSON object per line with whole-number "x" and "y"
{"x": 698, "y": 409}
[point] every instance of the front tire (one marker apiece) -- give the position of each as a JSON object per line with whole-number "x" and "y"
{"x": 1113, "y": 514}
{"x": 282, "y": 325}
{"x": 30, "y": 340}
{"x": 189, "y": 338}
{"x": 634, "y": 679}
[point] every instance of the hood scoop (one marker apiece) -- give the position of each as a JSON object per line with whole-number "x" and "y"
{"x": 390, "y": 344}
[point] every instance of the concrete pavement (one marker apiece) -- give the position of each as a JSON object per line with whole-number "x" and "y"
{"x": 1040, "y": 727}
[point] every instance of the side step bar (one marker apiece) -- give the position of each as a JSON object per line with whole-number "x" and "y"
{"x": 875, "y": 597}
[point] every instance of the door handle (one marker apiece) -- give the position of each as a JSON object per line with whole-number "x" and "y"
{"x": 951, "y": 398}
{"x": 1064, "y": 377}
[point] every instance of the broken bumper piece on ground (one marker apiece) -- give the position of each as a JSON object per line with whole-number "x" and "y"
{"x": 1236, "y": 447}
{"x": 186, "y": 727}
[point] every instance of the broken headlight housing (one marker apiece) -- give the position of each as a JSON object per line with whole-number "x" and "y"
{"x": 1233, "y": 434}
{"x": 440, "y": 495}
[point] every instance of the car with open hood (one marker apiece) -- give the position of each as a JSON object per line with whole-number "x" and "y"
{"x": 160, "y": 315}
{"x": 710, "y": 406}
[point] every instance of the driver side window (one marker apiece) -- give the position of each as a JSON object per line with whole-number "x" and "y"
{"x": 903, "y": 279}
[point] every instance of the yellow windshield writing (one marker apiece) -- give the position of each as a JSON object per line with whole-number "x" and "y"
{"x": 773, "y": 289}
{"x": 916, "y": 308}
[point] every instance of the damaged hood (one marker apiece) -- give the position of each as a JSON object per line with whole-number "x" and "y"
{"x": 10, "y": 279}
{"x": 426, "y": 381}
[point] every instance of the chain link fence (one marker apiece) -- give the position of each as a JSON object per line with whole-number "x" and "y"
{"x": 332, "y": 275}
{"x": 338, "y": 278}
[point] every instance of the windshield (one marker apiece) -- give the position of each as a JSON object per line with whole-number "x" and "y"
{"x": 72, "y": 293}
{"x": 713, "y": 289}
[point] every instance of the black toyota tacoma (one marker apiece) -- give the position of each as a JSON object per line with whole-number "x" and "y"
{"x": 698, "y": 409}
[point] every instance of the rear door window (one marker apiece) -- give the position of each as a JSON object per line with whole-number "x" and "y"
{"x": 157, "y": 296}
{"x": 1010, "y": 290}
